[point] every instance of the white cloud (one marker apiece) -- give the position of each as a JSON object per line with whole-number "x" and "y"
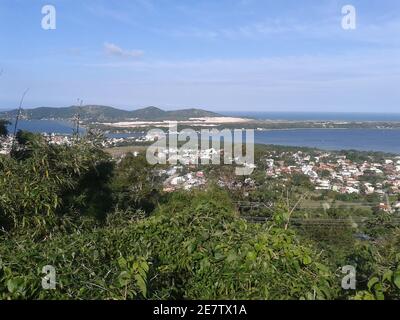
{"x": 114, "y": 50}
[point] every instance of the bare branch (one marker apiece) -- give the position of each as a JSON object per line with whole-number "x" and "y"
{"x": 17, "y": 118}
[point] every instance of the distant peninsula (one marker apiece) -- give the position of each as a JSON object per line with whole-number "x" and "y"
{"x": 111, "y": 119}
{"x": 98, "y": 113}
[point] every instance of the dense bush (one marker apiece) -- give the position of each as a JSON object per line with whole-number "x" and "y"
{"x": 193, "y": 247}
{"x": 201, "y": 241}
{"x": 111, "y": 234}
{"x": 134, "y": 185}
{"x": 378, "y": 268}
{"x": 3, "y": 127}
{"x": 49, "y": 182}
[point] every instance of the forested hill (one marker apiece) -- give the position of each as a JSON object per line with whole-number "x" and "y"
{"x": 105, "y": 113}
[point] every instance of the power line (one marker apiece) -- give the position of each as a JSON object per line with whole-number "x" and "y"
{"x": 322, "y": 221}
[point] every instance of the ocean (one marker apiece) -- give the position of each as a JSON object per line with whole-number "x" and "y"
{"x": 385, "y": 140}
{"x": 317, "y": 116}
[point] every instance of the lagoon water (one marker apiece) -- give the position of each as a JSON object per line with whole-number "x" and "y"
{"x": 385, "y": 140}
{"x": 44, "y": 126}
{"x": 55, "y": 126}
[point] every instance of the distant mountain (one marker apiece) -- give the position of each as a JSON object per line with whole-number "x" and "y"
{"x": 153, "y": 113}
{"x": 149, "y": 113}
{"x": 95, "y": 113}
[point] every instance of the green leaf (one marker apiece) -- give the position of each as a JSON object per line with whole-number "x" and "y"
{"x": 396, "y": 279}
{"x": 145, "y": 266}
{"x": 124, "y": 278}
{"x": 379, "y": 295}
{"x": 387, "y": 276}
{"x": 219, "y": 256}
{"x": 122, "y": 263}
{"x": 373, "y": 281}
{"x": 231, "y": 257}
{"x": 141, "y": 283}
{"x": 307, "y": 260}
{"x": 15, "y": 284}
{"x": 251, "y": 256}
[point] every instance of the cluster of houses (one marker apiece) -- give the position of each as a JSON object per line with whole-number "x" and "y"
{"x": 5, "y": 144}
{"x": 58, "y": 139}
{"x": 178, "y": 179}
{"x": 111, "y": 142}
{"x": 331, "y": 171}
{"x": 66, "y": 139}
{"x": 187, "y": 156}
{"x": 108, "y": 142}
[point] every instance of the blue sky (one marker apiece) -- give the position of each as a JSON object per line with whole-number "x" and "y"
{"x": 222, "y": 55}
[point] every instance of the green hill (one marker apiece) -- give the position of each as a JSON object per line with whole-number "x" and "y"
{"x": 96, "y": 113}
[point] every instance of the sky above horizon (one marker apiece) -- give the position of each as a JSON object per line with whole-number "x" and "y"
{"x": 220, "y": 55}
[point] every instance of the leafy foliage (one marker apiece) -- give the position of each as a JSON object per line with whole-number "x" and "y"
{"x": 111, "y": 233}
{"x": 134, "y": 184}
{"x": 193, "y": 247}
{"x": 47, "y": 182}
{"x": 3, "y": 127}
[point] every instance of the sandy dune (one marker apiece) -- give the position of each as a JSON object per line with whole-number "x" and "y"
{"x": 206, "y": 121}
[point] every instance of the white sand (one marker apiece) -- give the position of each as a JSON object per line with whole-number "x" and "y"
{"x": 206, "y": 121}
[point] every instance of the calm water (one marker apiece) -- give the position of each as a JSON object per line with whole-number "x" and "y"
{"x": 334, "y": 139}
{"x": 328, "y": 139}
{"x": 61, "y": 127}
{"x": 316, "y": 116}
{"x": 44, "y": 126}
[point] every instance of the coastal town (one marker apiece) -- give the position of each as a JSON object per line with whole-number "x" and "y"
{"x": 327, "y": 171}
{"x": 333, "y": 171}
{"x": 67, "y": 139}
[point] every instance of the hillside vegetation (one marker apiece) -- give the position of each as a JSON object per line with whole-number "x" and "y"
{"x": 95, "y": 113}
{"x": 111, "y": 233}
